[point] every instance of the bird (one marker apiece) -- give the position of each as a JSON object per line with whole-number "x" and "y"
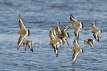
{"x": 62, "y": 36}
{"x": 54, "y": 42}
{"x": 95, "y": 31}
{"x": 77, "y": 25}
{"x": 28, "y": 43}
{"x": 76, "y": 50}
{"x": 90, "y": 42}
{"x": 23, "y": 32}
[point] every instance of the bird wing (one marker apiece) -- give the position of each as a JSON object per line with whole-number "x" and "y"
{"x": 92, "y": 45}
{"x": 66, "y": 28}
{"x": 25, "y": 46}
{"x": 94, "y": 26}
{"x": 21, "y": 23}
{"x": 53, "y": 30}
{"x": 20, "y": 40}
{"x": 58, "y": 29}
{"x": 64, "y": 41}
{"x": 75, "y": 56}
{"x": 73, "y": 20}
{"x": 96, "y": 35}
{"x": 76, "y": 44}
{"x": 76, "y": 32}
{"x": 56, "y": 51}
{"x": 52, "y": 36}
{"x": 30, "y": 45}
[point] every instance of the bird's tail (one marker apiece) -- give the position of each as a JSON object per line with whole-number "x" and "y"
{"x": 82, "y": 50}
{"x": 28, "y": 32}
{"x": 81, "y": 23}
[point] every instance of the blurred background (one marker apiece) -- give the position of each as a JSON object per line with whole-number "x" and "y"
{"x": 39, "y": 16}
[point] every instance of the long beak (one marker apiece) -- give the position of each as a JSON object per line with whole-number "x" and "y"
{"x": 70, "y": 49}
{"x": 81, "y": 39}
{"x": 70, "y": 25}
{"x": 35, "y": 42}
{"x": 88, "y": 30}
{"x": 16, "y": 31}
{"x": 47, "y": 43}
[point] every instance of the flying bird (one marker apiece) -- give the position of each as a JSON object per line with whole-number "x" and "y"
{"x": 28, "y": 43}
{"x": 90, "y": 42}
{"x": 23, "y": 32}
{"x": 76, "y": 50}
{"x": 95, "y": 31}
{"x": 77, "y": 25}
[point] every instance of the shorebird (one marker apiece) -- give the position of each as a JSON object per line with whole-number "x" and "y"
{"x": 95, "y": 31}
{"x": 76, "y": 25}
{"x": 76, "y": 50}
{"x": 23, "y": 32}
{"x": 90, "y": 42}
{"x": 28, "y": 43}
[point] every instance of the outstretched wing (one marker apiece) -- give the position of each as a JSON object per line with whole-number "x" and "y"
{"x": 75, "y": 56}
{"x": 76, "y": 32}
{"x": 96, "y": 36}
{"x": 74, "y": 20}
{"x": 58, "y": 29}
{"x": 91, "y": 44}
{"x": 30, "y": 45}
{"x": 21, "y": 23}
{"x": 94, "y": 26}
{"x": 20, "y": 41}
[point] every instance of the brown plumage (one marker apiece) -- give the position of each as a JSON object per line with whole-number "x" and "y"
{"x": 90, "y": 42}
{"x": 95, "y": 31}
{"x": 76, "y": 50}
{"x": 28, "y": 43}
{"x": 76, "y": 25}
{"x": 23, "y": 32}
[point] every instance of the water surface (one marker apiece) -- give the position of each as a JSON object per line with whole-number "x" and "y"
{"x": 38, "y": 16}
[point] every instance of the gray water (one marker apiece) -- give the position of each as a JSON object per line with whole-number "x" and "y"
{"x": 38, "y": 16}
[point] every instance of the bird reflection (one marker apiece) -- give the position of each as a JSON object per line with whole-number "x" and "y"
{"x": 23, "y": 32}
{"x": 76, "y": 50}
